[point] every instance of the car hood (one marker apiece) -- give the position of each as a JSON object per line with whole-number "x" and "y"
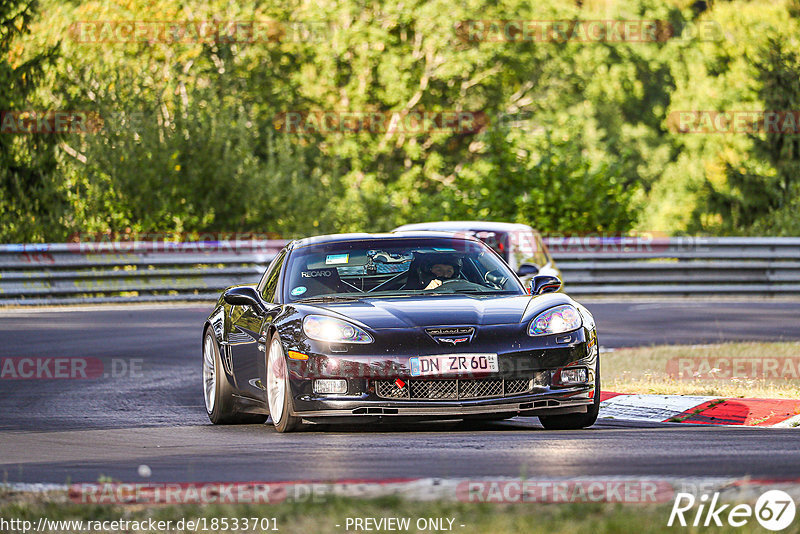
{"x": 415, "y": 312}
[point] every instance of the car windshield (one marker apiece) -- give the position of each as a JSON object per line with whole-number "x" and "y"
{"x": 392, "y": 267}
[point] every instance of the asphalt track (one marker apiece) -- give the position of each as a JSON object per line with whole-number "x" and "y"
{"x": 60, "y": 430}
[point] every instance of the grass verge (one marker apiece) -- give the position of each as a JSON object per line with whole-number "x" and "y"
{"x": 761, "y": 370}
{"x": 323, "y": 516}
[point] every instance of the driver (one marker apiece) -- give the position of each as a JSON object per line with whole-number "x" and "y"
{"x": 440, "y": 271}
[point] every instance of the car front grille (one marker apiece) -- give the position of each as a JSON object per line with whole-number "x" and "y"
{"x": 453, "y": 389}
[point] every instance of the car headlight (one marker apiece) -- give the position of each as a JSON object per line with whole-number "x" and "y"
{"x": 324, "y": 328}
{"x": 564, "y": 318}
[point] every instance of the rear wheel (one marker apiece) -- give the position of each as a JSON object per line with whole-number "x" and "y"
{"x": 220, "y": 404}
{"x": 279, "y": 394}
{"x": 574, "y": 421}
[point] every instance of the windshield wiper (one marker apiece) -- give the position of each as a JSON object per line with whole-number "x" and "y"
{"x": 331, "y": 298}
{"x": 482, "y": 292}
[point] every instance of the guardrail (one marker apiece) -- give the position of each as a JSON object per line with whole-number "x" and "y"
{"x": 141, "y": 271}
{"x": 65, "y": 273}
{"x": 679, "y": 266}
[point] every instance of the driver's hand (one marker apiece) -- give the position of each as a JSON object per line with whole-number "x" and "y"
{"x": 434, "y": 284}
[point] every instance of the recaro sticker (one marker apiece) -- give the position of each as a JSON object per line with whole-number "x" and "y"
{"x": 317, "y": 273}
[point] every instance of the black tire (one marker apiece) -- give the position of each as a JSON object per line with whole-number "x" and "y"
{"x": 286, "y": 422}
{"x": 224, "y": 409}
{"x": 575, "y": 421}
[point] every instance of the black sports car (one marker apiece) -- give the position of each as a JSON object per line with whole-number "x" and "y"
{"x": 421, "y": 325}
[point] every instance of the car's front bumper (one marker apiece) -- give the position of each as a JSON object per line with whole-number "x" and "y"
{"x": 538, "y": 361}
{"x": 567, "y": 400}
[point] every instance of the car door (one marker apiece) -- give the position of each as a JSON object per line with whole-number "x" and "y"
{"x": 247, "y": 356}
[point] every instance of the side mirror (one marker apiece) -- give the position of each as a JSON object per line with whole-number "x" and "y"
{"x": 527, "y": 269}
{"x": 544, "y": 284}
{"x": 244, "y": 296}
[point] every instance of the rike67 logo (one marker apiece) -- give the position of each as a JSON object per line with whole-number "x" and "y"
{"x": 774, "y": 510}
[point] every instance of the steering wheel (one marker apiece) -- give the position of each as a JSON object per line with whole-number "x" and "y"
{"x": 452, "y": 283}
{"x": 495, "y": 278}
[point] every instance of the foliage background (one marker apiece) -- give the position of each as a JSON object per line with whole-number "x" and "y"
{"x": 578, "y": 137}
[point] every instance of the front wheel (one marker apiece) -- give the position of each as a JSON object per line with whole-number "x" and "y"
{"x": 574, "y": 421}
{"x": 279, "y": 394}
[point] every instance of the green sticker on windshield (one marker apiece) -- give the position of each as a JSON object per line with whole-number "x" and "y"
{"x": 299, "y": 290}
{"x": 336, "y": 259}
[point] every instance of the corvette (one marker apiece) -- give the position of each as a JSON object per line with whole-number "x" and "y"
{"x": 401, "y": 326}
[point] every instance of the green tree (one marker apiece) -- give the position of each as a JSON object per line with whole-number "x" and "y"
{"x": 574, "y": 138}
{"x": 32, "y": 200}
{"x": 763, "y": 193}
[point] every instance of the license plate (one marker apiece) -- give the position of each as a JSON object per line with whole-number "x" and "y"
{"x": 447, "y": 364}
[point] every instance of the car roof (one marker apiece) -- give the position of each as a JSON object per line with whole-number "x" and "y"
{"x": 334, "y": 238}
{"x": 488, "y": 226}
